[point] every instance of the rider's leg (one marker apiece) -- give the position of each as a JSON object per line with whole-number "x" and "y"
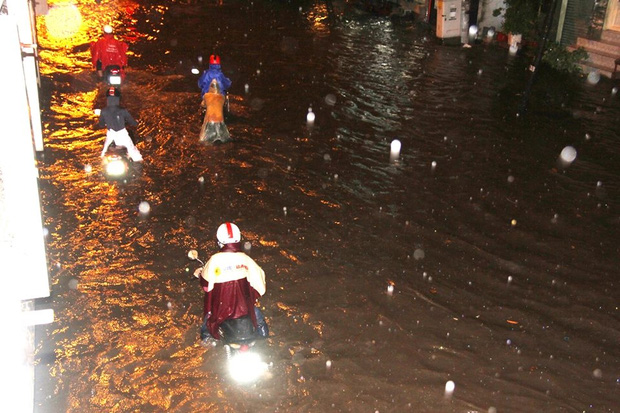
{"x": 263, "y": 328}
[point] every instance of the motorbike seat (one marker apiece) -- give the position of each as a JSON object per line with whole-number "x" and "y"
{"x": 238, "y": 330}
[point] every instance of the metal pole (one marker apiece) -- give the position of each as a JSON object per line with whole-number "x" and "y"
{"x": 534, "y": 67}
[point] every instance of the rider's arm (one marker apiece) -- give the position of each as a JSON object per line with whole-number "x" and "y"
{"x": 94, "y": 52}
{"x": 130, "y": 120}
{"x": 226, "y": 82}
{"x": 123, "y": 47}
{"x": 101, "y": 122}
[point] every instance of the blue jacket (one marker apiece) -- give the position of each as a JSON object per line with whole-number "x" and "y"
{"x": 214, "y": 72}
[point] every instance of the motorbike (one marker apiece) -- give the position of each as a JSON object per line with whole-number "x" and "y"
{"x": 116, "y": 163}
{"x": 113, "y": 76}
{"x": 239, "y": 336}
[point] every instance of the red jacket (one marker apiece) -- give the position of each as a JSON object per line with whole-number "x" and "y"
{"x": 232, "y": 282}
{"x": 110, "y": 51}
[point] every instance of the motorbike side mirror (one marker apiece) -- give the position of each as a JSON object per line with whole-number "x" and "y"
{"x": 97, "y": 112}
{"x": 192, "y": 254}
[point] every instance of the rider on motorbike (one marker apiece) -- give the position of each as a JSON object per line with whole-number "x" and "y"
{"x": 214, "y": 72}
{"x": 232, "y": 282}
{"x": 213, "y": 127}
{"x": 114, "y": 117}
{"x": 108, "y": 51}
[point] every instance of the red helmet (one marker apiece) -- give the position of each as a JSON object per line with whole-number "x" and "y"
{"x": 214, "y": 59}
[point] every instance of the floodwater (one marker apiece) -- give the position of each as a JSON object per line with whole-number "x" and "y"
{"x": 503, "y": 259}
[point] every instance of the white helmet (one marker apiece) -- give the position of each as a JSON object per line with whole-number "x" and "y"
{"x": 107, "y": 29}
{"x": 228, "y": 233}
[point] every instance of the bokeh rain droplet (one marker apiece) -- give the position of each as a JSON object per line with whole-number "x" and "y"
{"x": 449, "y": 389}
{"x": 594, "y": 77}
{"x": 310, "y": 116}
{"x": 330, "y": 99}
{"x": 418, "y": 254}
{"x": 395, "y": 147}
{"x": 144, "y": 207}
{"x": 568, "y": 155}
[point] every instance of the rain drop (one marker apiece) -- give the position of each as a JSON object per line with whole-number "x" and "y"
{"x": 330, "y": 99}
{"x": 328, "y": 364}
{"x": 169, "y": 305}
{"x": 200, "y": 59}
{"x": 247, "y": 246}
{"x": 594, "y": 77}
{"x": 390, "y": 289}
{"x": 201, "y": 179}
{"x": 73, "y": 284}
{"x": 433, "y": 165}
{"x": 285, "y": 211}
{"x": 614, "y": 90}
{"x": 513, "y": 222}
{"x": 247, "y": 88}
{"x": 511, "y": 179}
{"x": 395, "y": 150}
{"x": 310, "y": 116}
{"x": 144, "y": 207}
{"x": 449, "y": 388}
{"x": 46, "y": 232}
{"x": 195, "y": 71}
{"x": 568, "y": 154}
{"x": 418, "y": 254}
{"x": 88, "y": 168}
{"x": 509, "y": 279}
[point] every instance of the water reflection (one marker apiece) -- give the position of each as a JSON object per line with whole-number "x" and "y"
{"x": 331, "y": 220}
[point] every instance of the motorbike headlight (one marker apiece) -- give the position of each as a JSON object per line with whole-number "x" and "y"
{"x": 115, "y": 166}
{"x": 246, "y": 367}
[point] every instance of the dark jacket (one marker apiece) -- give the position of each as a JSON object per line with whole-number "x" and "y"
{"x": 214, "y": 72}
{"x": 115, "y": 117}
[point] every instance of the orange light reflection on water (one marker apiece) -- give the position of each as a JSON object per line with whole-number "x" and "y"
{"x": 65, "y": 33}
{"x": 119, "y": 344}
{"x": 318, "y": 16}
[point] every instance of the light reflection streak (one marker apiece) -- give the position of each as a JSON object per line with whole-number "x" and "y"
{"x": 63, "y": 20}
{"x": 318, "y": 17}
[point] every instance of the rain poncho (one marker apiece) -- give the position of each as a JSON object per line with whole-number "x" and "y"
{"x": 232, "y": 282}
{"x": 109, "y": 51}
{"x": 213, "y": 127}
{"x": 214, "y": 72}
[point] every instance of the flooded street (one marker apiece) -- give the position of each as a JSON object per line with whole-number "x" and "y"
{"x": 503, "y": 259}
